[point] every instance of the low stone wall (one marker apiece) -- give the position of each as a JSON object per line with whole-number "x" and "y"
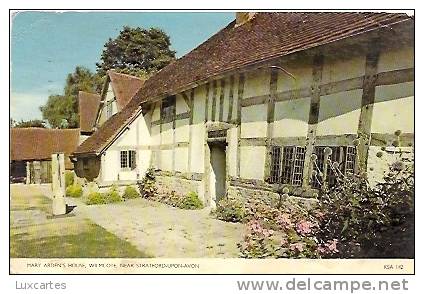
{"x": 269, "y": 197}
{"x": 167, "y": 184}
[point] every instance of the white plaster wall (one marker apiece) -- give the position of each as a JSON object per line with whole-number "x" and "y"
{"x": 181, "y": 159}
{"x": 396, "y": 59}
{"x": 256, "y": 83}
{"x": 167, "y": 134}
{"x": 235, "y": 96}
{"x": 166, "y": 160}
{"x": 291, "y": 118}
{"x": 217, "y": 100}
{"x": 339, "y": 113}
{"x": 252, "y": 162}
{"x": 226, "y": 103}
{"x": 109, "y": 97}
{"x": 210, "y": 102}
{"x": 342, "y": 67}
{"x": 394, "y": 109}
{"x": 182, "y": 130}
{"x": 197, "y": 148}
{"x": 128, "y": 138}
{"x": 199, "y": 104}
{"x": 232, "y": 151}
{"x": 156, "y": 112}
{"x": 302, "y": 71}
{"x": 111, "y": 166}
{"x": 254, "y": 121}
{"x": 180, "y": 104}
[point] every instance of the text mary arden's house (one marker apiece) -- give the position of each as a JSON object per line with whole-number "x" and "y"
{"x": 248, "y": 107}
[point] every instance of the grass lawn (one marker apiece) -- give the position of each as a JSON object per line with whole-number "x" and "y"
{"x": 93, "y": 242}
{"x": 33, "y": 234}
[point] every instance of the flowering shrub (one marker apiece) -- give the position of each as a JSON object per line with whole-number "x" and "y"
{"x": 372, "y": 221}
{"x": 147, "y": 185}
{"x": 286, "y": 232}
{"x": 230, "y": 210}
{"x": 352, "y": 219}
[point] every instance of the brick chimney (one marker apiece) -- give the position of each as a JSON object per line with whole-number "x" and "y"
{"x": 243, "y": 17}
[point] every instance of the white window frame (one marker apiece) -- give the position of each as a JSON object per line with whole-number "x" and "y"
{"x": 128, "y": 159}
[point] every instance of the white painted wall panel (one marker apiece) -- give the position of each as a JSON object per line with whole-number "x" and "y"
{"x": 232, "y": 151}
{"x": 252, "y": 162}
{"x": 182, "y": 130}
{"x": 339, "y": 113}
{"x": 256, "y": 83}
{"x": 253, "y": 120}
{"x": 199, "y": 104}
{"x": 394, "y": 109}
{"x": 291, "y": 118}
{"x": 181, "y": 159}
{"x": 396, "y": 59}
{"x": 197, "y": 148}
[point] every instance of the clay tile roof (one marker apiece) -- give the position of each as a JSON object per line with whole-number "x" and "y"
{"x": 88, "y": 104}
{"x": 266, "y": 36}
{"x": 124, "y": 87}
{"x": 39, "y": 143}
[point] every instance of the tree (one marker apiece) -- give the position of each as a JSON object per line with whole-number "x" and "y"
{"x": 34, "y": 123}
{"x": 137, "y": 51}
{"x": 61, "y": 111}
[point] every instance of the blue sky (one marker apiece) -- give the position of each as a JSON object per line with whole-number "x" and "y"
{"x": 46, "y": 46}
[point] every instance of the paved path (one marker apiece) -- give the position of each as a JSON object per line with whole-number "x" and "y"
{"x": 164, "y": 231}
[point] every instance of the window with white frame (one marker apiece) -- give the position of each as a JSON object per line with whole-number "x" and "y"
{"x": 128, "y": 159}
{"x": 287, "y": 165}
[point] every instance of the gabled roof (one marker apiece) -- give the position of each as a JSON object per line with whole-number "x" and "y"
{"x": 88, "y": 105}
{"x": 39, "y": 143}
{"x": 265, "y": 37}
{"x": 124, "y": 87}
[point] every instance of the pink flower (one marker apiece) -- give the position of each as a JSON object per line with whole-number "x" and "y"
{"x": 304, "y": 227}
{"x": 296, "y": 247}
{"x": 284, "y": 220}
{"x": 255, "y": 226}
{"x": 321, "y": 249}
{"x": 332, "y": 245}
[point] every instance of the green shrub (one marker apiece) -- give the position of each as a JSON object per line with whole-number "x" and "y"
{"x": 190, "y": 201}
{"x": 69, "y": 178}
{"x": 74, "y": 191}
{"x": 230, "y": 210}
{"x": 130, "y": 193}
{"x": 113, "y": 195}
{"x": 95, "y": 198}
{"x": 147, "y": 185}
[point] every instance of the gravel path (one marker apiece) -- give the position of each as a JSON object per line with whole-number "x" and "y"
{"x": 164, "y": 231}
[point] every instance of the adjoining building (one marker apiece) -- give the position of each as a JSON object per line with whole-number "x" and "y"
{"x": 31, "y": 150}
{"x": 241, "y": 114}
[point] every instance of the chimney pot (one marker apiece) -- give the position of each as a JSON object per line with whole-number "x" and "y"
{"x": 243, "y": 17}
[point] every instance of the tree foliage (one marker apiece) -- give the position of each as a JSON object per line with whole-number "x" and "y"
{"x": 61, "y": 111}
{"x": 137, "y": 51}
{"x": 34, "y": 123}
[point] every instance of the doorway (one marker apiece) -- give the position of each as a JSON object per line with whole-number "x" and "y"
{"x": 218, "y": 171}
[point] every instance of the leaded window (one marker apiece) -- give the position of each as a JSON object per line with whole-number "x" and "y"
{"x": 167, "y": 110}
{"x": 128, "y": 159}
{"x": 344, "y": 156}
{"x": 287, "y": 165}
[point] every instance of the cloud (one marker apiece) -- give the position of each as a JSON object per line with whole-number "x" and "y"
{"x": 26, "y": 106}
